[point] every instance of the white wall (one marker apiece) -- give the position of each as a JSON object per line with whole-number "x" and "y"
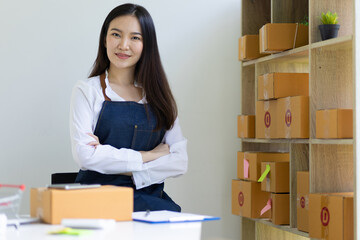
{"x": 47, "y": 45}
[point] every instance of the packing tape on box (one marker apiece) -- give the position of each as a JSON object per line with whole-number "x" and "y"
{"x": 326, "y": 123}
{"x": 263, "y": 37}
{"x": 296, "y": 33}
{"x": 267, "y": 207}
{"x": 266, "y": 82}
{"x": 242, "y": 48}
{"x": 302, "y": 201}
{"x": 39, "y": 209}
{"x": 324, "y": 216}
{"x": 267, "y": 119}
{"x": 246, "y": 168}
{"x": 242, "y": 122}
{"x": 288, "y": 117}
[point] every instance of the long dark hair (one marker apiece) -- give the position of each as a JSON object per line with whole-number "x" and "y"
{"x": 149, "y": 72}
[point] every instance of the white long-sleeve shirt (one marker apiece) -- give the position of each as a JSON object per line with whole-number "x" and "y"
{"x": 86, "y": 103}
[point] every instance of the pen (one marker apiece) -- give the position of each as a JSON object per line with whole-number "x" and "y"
{"x": 147, "y": 213}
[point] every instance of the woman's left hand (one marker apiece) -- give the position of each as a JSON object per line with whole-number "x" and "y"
{"x": 94, "y": 143}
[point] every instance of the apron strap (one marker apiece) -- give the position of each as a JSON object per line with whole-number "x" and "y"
{"x": 103, "y": 86}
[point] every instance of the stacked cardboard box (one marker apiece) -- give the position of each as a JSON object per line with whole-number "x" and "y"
{"x": 278, "y": 37}
{"x": 283, "y": 107}
{"x": 246, "y": 126}
{"x": 331, "y": 216}
{"x": 249, "y": 47}
{"x": 334, "y": 123}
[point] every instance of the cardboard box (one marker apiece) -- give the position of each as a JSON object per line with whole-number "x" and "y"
{"x": 246, "y": 126}
{"x": 334, "y": 123}
{"x": 248, "y": 199}
{"x": 254, "y": 160}
{"x": 302, "y": 201}
{"x": 249, "y": 47}
{"x": 278, "y": 37}
{"x": 293, "y": 117}
{"x": 331, "y": 216}
{"x": 277, "y": 180}
{"x": 265, "y": 119}
{"x": 280, "y": 208}
{"x": 106, "y": 202}
{"x": 279, "y": 85}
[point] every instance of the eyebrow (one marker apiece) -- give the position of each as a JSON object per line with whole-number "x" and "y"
{"x": 118, "y": 30}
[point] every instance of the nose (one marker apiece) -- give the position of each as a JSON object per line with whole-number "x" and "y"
{"x": 123, "y": 44}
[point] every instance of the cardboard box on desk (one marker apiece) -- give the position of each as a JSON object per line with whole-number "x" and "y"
{"x": 331, "y": 216}
{"x": 279, "y": 85}
{"x": 246, "y": 126}
{"x": 334, "y": 123}
{"x": 293, "y": 117}
{"x": 249, "y": 47}
{"x": 265, "y": 119}
{"x": 277, "y": 178}
{"x": 249, "y": 163}
{"x": 106, "y": 202}
{"x": 278, "y": 37}
{"x": 248, "y": 199}
{"x": 302, "y": 201}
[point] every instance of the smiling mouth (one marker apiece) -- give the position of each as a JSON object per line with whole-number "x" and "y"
{"x": 122, "y": 55}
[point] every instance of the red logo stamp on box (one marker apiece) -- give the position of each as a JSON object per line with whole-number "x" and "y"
{"x": 241, "y": 199}
{"x": 325, "y": 216}
{"x": 267, "y": 120}
{"x": 288, "y": 118}
{"x": 302, "y": 202}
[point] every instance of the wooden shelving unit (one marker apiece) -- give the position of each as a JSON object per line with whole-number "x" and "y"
{"x": 330, "y": 65}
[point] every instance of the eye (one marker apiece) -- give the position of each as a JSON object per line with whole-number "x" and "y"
{"x": 136, "y": 38}
{"x": 115, "y": 34}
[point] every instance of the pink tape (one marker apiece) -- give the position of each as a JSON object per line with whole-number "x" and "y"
{"x": 246, "y": 168}
{"x": 267, "y": 207}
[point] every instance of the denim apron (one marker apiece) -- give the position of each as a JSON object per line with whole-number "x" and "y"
{"x": 129, "y": 125}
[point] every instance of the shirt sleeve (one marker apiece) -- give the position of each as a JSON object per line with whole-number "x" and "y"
{"x": 104, "y": 158}
{"x": 171, "y": 165}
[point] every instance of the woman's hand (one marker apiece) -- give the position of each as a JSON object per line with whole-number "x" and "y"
{"x": 160, "y": 150}
{"x": 94, "y": 143}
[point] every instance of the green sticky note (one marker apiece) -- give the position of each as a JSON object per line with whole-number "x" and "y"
{"x": 265, "y": 173}
{"x": 71, "y": 231}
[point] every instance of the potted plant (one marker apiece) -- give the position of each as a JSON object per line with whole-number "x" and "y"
{"x": 330, "y": 27}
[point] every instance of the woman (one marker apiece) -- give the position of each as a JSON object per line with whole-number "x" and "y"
{"x": 123, "y": 118}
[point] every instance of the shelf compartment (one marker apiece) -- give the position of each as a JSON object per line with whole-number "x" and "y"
{"x": 265, "y": 147}
{"x": 299, "y": 161}
{"x": 248, "y": 90}
{"x": 299, "y": 55}
{"x": 344, "y": 9}
{"x": 289, "y": 11}
{"x": 331, "y": 168}
{"x": 331, "y": 79}
{"x": 251, "y": 8}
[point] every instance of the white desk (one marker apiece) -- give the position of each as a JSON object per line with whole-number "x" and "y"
{"x": 122, "y": 230}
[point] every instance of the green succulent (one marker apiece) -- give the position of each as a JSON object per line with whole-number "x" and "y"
{"x": 329, "y": 18}
{"x": 305, "y": 20}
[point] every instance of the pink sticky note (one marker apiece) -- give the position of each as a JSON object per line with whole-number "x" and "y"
{"x": 266, "y": 208}
{"x": 246, "y": 168}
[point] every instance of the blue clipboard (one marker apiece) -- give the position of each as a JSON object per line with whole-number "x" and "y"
{"x": 170, "y": 217}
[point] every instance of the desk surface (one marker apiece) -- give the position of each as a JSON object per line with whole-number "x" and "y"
{"x": 122, "y": 230}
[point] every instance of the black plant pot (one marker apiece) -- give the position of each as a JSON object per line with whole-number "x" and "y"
{"x": 328, "y": 31}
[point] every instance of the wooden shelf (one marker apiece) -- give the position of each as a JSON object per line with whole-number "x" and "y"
{"x": 300, "y": 54}
{"x": 286, "y": 228}
{"x": 333, "y": 141}
{"x": 334, "y": 41}
{"x": 259, "y": 140}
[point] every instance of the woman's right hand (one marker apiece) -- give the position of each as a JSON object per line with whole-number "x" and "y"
{"x": 160, "y": 150}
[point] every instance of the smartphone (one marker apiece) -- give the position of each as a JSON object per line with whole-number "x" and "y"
{"x": 69, "y": 186}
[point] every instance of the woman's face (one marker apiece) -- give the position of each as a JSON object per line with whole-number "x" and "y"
{"x": 124, "y": 42}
